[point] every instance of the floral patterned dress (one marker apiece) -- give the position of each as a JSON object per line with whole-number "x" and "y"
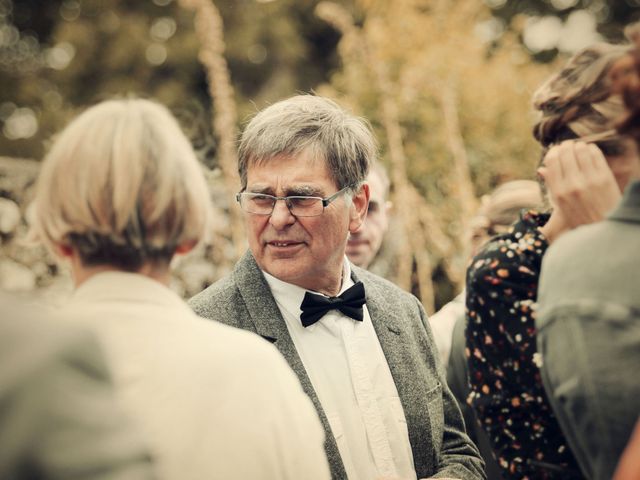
{"x": 506, "y": 387}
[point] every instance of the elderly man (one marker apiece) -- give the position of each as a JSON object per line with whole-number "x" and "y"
{"x": 364, "y": 244}
{"x": 361, "y": 347}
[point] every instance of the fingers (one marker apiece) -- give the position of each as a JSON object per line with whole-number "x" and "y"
{"x": 568, "y": 153}
{"x": 585, "y": 156}
{"x": 597, "y": 157}
{"x": 551, "y": 171}
{"x": 599, "y": 163}
{"x": 580, "y": 182}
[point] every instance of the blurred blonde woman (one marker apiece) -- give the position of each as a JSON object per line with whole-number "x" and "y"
{"x": 120, "y": 193}
{"x": 586, "y": 164}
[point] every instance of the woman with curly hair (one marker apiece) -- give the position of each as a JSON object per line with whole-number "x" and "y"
{"x": 585, "y": 166}
{"x": 589, "y": 315}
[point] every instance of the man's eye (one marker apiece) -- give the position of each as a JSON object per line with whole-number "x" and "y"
{"x": 262, "y": 199}
{"x": 303, "y": 201}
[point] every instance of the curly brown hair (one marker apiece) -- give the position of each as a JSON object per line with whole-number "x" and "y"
{"x": 625, "y": 77}
{"x": 577, "y": 101}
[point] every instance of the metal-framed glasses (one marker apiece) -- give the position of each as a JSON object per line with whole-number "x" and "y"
{"x": 298, "y": 205}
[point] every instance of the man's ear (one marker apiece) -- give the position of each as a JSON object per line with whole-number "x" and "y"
{"x": 185, "y": 247}
{"x": 63, "y": 251}
{"x": 359, "y": 207}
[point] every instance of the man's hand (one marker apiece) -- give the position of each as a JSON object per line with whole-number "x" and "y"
{"x": 582, "y": 187}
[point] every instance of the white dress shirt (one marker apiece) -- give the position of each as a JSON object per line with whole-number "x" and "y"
{"x": 442, "y": 324}
{"x": 349, "y": 372}
{"x": 214, "y": 402}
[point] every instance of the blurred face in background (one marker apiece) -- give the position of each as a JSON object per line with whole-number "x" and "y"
{"x": 363, "y": 245}
{"x": 624, "y": 162}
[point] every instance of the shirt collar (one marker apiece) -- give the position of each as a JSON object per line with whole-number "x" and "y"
{"x": 278, "y": 286}
{"x": 289, "y": 297}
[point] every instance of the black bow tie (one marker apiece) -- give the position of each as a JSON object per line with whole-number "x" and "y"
{"x": 350, "y": 303}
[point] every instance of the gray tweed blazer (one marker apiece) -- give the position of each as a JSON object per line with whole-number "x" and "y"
{"x": 440, "y": 445}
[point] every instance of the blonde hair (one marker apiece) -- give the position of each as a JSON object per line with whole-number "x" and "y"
{"x": 122, "y": 185}
{"x": 577, "y": 101}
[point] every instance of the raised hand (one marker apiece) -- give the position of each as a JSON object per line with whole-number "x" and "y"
{"x": 581, "y": 185}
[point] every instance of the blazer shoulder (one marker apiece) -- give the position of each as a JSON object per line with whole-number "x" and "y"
{"x": 388, "y": 297}
{"x": 215, "y": 301}
{"x": 383, "y": 286}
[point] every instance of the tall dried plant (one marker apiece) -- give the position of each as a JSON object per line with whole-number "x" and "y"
{"x": 453, "y": 119}
{"x": 210, "y": 32}
{"x": 415, "y": 219}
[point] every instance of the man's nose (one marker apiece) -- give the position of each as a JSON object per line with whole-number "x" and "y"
{"x": 281, "y": 217}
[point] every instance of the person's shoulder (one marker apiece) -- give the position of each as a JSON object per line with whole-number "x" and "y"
{"x": 390, "y": 298}
{"x": 453, "y": 310}
{"x": 34, "y": 340}
{"x": 521, "y": 240}
{"x": 381, "y": 285}
{"x": 574, "y": 242}
{"x": 513, "y": 256}
{"x": 243, "y": 352}
{"x": 44, "y": 330}
{"x": 216, "y": 297}
{"x": 588, "y": 258}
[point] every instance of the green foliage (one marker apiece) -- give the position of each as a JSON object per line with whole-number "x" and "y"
{"x": 150, "y": 49}
{"x": 459, "y": 101}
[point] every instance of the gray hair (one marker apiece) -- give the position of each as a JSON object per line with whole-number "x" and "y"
{"x": 315, "y": 125}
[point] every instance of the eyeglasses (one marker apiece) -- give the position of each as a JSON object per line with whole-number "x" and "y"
{"x": 299, "y": 206}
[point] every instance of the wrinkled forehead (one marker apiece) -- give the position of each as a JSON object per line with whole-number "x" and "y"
{"x": 309, "y": 153}
{"x": 304, "y": 167}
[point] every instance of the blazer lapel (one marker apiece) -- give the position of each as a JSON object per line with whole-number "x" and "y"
{"x": 270, "y": 325}
{"x": 628, "y": 210}
{"x": 387, "y": 324}
{"x": 261, "y": 305}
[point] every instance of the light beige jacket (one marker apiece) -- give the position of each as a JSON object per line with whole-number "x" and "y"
{"x": 214, "y": 402}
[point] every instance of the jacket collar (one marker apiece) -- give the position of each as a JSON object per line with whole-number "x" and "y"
{"x": 266, "y": 315}
{"x": 270, "y": 325}
{"x": 628, "y": 210}
{"x": 126, "y": 287}
{"x": 262, "y": 307}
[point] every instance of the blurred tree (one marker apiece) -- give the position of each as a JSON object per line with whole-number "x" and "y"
{"x": 446, "y": 85}
{"x": 453, "y": 116}
{"x": 564, "y": 24}
{"x": 75, "y": 52}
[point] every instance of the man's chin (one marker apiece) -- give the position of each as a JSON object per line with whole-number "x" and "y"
{"x": 357, "y": 258}
{"x": 353, "y": 253}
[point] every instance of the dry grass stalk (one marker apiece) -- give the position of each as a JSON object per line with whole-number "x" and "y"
{"x": 209, "y": 30}
{"x": 465, "y": 189}
{"x": 353, "y": 45}
{"x": 416, "y": 220}
{"x": 398, "y": 176}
